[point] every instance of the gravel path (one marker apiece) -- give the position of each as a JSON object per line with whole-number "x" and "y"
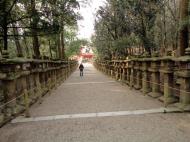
{"x": 94, "y": 93}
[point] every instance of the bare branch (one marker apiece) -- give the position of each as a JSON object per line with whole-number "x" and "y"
{"x": 14, "y": 2}
{"x": 19, "y": 19}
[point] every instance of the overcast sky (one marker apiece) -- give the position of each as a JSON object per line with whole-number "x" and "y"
{"x": 86, "y": 26}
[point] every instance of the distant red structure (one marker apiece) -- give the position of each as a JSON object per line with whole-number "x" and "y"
{"x": 86, "y": 53}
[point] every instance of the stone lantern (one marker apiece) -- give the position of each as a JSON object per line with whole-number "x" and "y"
{"x": 167, "y": 69}
{"x": 184, "y": 80}
{"x": 155, "y": 77}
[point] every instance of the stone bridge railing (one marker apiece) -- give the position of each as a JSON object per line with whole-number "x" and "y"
{"x": 166, "y": 78}
{"x": 23, "y": 82}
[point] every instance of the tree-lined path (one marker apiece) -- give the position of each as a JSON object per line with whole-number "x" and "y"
{"x": 96, "y": 108}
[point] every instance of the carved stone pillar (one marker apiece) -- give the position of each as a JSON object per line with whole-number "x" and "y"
{"x": 54, "y": 78}
{"x": 25, "y": 93}
{"x": 132, "y": 78}
{"x": 43, "y": 82}
{"x": 1, "y": 101}
{"x": 184, "y": 78}
{"x": 138, "y": 76}
{"x": 128, "y": 72}
{"x": 117, "y": 71}
{"x": 112, "y": 69}
{"x": 107, "y": 68}
{"x": 32, "y": 86}
{"x": 185, "y": 92}
{"x": 67, "y": 71}
{"x": 120, "y": 71}
{"x": 103, "y": 67}
{"x": 49, "y": 80}
{"x": 10, "y": 89}
{"x": 155, "y": 78}
{"x": 145, "y": 77}
{"x": 63, "y": 73}
{"x": 168, "y": 71}
{"x": 123, "y": 73}
{"x": 38, "y": 90}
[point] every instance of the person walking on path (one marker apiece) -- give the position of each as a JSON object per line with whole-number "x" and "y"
{"x": 81, "y": 68}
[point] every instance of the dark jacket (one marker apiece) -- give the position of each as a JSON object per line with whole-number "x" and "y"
{"x": 81, "y": 67}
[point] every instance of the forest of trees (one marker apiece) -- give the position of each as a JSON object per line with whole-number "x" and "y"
{"x": 141, "y": 28}
{"x": 39, "y": 28}
{"x": 48, "y": 28}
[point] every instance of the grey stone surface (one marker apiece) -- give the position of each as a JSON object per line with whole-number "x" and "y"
{"x": 98, "y": 97}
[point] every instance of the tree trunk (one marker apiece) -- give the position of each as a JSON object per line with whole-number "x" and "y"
{"x": 145, "y": 39}
{"x": 4, "y": 26}
{"x": 62, "y": 45}
{"x": 5, "y": 36}
{"x": 59, "y": 51}
{"x": 165, "y": 32}
{"x": 26, "y": 46}
{"x": 34, "y": 24}
{"x": 183, "y": 33}
{"x": 176, "y": 26}
{"x": 50, "y": 49}
{"x": 36, "y": 45}
{"x": 17, "y": 42}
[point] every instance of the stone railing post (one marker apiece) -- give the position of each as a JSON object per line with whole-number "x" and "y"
{"x": 10, "y": 89}
{"x": 116, "y": 70}
{"x": 27, "y": 103}
{"x": 128, "y": 66}
{"x": 183, "y": 75}
{"x": 132, "y": 74}
{"x": 38, "y": 86}
{"x": 120, "y": 70}
{"x": 69, "y": 66}
{"x": 1, "y": 99}
{"x": 167, "y": 70}
{"x": 65, "y": 72}
{"x": 59, "y": 74}
{"x": 138, "y": 76}
{"x": 112, "y": 69}
{"x": 103, "y": 68}
{"x": 155, "y": 78}
{"x": 123, "y": 72}
{"x": 54, "y": 78}
{"x": 145, "y": 76}
{"x": 107, "y": 67}
{"x": 62, "y": 73}
{"x": 43, "y": 84}
{"x": 25, "y": 93}
{"x": 48, "y": 73}
{"x": 184, "y": 91}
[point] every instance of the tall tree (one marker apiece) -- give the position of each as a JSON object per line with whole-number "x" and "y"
{"x": 17, "y": 42}
{"x": 183, "y": 34}
{"x": 34, "y": 26}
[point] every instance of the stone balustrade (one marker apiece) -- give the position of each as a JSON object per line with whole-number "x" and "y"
{"x": 24, "y": 82}
{"x": 166, "y": 78}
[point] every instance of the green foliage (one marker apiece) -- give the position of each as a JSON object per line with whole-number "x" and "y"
{"x": 39, "y": 24}
{"x": 74, "y": 47}
{"x": 124, "y": 24}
